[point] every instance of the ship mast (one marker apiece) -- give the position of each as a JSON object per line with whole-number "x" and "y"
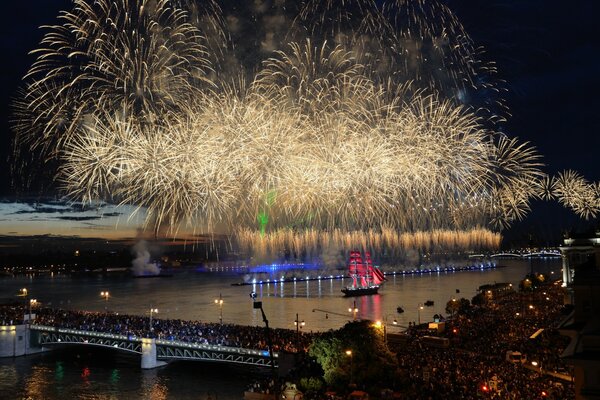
{"x": 368, "y": 269}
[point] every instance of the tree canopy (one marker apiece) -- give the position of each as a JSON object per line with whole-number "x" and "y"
{"x": 355, "y": 353}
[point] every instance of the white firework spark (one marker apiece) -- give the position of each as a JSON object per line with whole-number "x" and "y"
{"x": 139, "y": 106}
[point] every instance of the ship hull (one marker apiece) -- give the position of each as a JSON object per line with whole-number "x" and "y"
{"x": 360, "y": 291}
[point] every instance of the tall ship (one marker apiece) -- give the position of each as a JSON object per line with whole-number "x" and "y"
{"x": 366, "y": 279}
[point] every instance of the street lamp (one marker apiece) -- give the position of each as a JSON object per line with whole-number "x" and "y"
{"x": 298, "y": 324}
{"x": 32, "y": 303}
{"x": 385, "y": 324}
{"x": 105, "y": 296}
{"x": 381, "y": 327}
{"x": 349, "y": 354}
{"x": 419, "y": 313}
{"x": 453, "y": 307}
{"x": 219, "y": 302}
{"x": 258, "y": 305}
{"x": 353, "y": 310}
{"x": 25, "y": 293}
{"x": 152, "y": 311}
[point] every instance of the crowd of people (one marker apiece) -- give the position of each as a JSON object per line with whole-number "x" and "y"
{"x": 475, "y": 364}
{"x": 134, "y": 326}
{"x": 11, "y": 314}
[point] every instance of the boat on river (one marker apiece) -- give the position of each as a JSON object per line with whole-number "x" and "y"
{"x": 366, "y": 278}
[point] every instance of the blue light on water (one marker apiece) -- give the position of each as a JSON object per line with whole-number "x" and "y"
{"x": 268, "y": 268}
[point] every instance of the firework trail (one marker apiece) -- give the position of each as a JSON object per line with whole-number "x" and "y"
{"x": 137, "y": 58}
{"x": 338, "y": 124}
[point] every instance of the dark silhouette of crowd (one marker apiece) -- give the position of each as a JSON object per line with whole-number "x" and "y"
{"x": 134, "y": 326}
{"x": 475, "y": 363}
{"x": 12, "y": 314}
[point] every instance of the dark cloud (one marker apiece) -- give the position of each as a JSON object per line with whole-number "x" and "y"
{"x": 42, "y": 210}
{"x": 62, "y": 207}
{"x": 81, "y": 218}
{"x": 111, "y": 214}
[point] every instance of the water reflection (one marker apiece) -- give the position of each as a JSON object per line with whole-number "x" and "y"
{"x": 85, "y": 374}
{"x": 190, "y": 295}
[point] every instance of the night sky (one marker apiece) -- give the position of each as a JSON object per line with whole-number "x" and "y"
{"x": 547, "y": 51}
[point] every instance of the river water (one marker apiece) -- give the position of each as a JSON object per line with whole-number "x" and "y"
{"x": 190, "y": 294}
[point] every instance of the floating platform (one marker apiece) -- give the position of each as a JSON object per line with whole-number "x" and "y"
{"x": 481, "y": 267}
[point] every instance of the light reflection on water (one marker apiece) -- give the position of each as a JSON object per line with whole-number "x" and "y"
{"x": 93, "y": 374}
{"x": 190, "y": 294}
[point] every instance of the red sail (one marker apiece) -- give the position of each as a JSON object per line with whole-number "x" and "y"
{"x": 353, "y": 266}
{"x": 378, "y": 276}
{"x": 363, "y": 274}
{"x": 374, "y": 272}
{"x": 361, "y": 270}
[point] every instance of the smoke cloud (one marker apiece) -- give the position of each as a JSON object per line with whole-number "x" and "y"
{"x": 141, "y": 265}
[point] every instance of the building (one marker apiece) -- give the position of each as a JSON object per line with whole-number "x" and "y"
{"x": 581, "y": 277}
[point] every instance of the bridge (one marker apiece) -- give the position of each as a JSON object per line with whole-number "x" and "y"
{"x": 536, "y": 254}
{"x": 154, "y": 352}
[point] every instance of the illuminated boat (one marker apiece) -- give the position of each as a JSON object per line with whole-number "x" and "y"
{"x": 366, "y": 279}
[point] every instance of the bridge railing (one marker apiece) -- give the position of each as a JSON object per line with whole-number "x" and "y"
{"x": 46, "y": 328}
{"x": 214, "y": 347}
{"x": 159, "y": 342}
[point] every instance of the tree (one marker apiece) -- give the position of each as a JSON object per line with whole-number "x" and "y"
{"x": 531, "y": 282}
{"x": 311, "y": 386}
{"x": 457, "y": 307}
{"x": 371, "y": 365}
{"x": 478, "y": 300}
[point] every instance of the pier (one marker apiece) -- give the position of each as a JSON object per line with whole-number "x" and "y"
{"x": 414, "y": 271}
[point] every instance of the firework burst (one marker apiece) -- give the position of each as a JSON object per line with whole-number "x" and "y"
{"x": 140, "y": 103}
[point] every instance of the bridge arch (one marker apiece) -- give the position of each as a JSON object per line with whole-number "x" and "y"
{"x": 154, "y": 352}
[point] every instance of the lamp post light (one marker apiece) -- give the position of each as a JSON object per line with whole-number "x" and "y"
{"x": 105, "y": 295}
{"x": 419, "y": 308}
{"x": 152, "y": 311}
{"x": 25, "y": 293}
{"x": 453, "y": 308}
{"x": 32, "y": 303}
{"x": 298, "y": 324}
{"x": 382, "y": 327}
{"x": 379, "y": 325}
{"x": 353, "y": 310}
{"x": 219, "y": 302}
{"x": 385, "y": 324}
{"x": 349, "y": 354}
